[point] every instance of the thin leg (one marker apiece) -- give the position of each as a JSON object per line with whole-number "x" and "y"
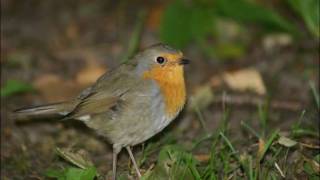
{"x": 115, "y": 153}
{"x": 133, "y": 161}
{"x": 114, "y": 166}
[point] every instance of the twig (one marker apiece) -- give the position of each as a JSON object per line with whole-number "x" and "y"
{"x": 280, "y": 171}
{"x": 311, "y": 146}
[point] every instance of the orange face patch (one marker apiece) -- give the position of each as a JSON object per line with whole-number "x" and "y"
{"x": 170, "y": 78}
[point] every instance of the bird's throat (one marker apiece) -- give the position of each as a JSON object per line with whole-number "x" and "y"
{"x": 172, "y": 86}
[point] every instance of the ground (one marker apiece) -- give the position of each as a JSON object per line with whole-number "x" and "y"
{"x": 224, "y": 132}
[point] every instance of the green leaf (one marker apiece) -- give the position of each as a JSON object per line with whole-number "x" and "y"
{"x": 310, "y": 13}
{"x": 54, "y": 173}
{"x": 13, "y": 87}
{"x": 201, "y": 21}
{"x": 307, "y": 167}
{"x": 80, "y": 174}
{"x": 182, "y": 23}
{"x": 174, "y": 28}
{"x": 72, "y": 173}
{"x": 247, "y": 12}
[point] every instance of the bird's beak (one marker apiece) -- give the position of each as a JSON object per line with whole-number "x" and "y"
{"x": 184, "y": 61}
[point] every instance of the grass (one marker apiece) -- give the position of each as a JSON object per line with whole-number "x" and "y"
{"x": 260, "y": 155}
{"x": 268, "y": 161}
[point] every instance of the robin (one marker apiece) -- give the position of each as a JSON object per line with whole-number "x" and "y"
{"x": 130, "y": 103}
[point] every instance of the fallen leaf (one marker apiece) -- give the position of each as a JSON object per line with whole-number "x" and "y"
{"x": 92, "y": 71}
{"x": 286, "y": 141}
{"x": 79, "y": 158}
{"x": 89, "y": 74}
{"x": 245, "y": 79}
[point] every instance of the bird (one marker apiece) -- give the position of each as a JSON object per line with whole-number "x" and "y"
{"x": 130, "y": 103}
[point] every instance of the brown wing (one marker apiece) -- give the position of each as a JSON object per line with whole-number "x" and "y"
{"x": 105, "y": 93}
{"x": 93, "y": 106}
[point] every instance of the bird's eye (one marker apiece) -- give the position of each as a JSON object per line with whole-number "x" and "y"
{"x": 160, "y": 60}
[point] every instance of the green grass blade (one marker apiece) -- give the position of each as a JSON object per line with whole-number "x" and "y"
{"x": 250, "y": 129}
{"x": 226, "y": 140}
{"x": 315, "y": 94}
{"x": 268, "y": 144}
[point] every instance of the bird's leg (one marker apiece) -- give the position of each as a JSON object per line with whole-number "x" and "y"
{"x": 133, "y": 161}
{"x": 114, "y": 166}
{"x": 115, "y": 153}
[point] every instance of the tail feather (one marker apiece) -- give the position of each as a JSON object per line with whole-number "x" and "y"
{"x": 48, "y": 110}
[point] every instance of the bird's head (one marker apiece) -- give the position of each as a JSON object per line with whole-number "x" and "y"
{"x": 164, "y": 65}
{"x": 161, "y": 63}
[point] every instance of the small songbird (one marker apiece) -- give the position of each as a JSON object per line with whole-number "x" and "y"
{"x": 130, "y": 103}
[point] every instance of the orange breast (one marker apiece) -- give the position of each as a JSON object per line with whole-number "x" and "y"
{"x": 171, "y": 82}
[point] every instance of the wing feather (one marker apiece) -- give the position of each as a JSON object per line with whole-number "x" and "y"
{"x": 105, "y": 94}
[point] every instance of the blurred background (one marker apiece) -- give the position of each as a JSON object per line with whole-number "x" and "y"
{"x": 253, "y": 86}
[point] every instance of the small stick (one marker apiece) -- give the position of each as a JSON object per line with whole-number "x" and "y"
{"x": 280, "y": 171}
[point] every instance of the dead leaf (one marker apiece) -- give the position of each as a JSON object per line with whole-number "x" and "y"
{"x": 245, "y": 79}
{"x": 79, "y": 158}
{"x": 92, "y": 71}
{"x": 89, "y": 74}
{"x": 287, "y": 142}
{"x": 261, "y": 147}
